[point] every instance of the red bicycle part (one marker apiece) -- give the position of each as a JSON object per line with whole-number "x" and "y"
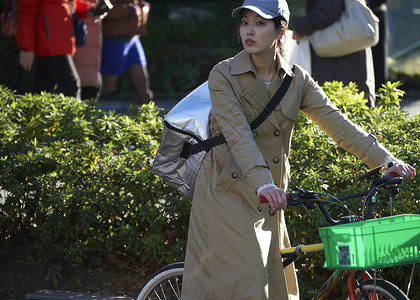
{"x": 262, "y": 199}
{"x": 351, "y": 287}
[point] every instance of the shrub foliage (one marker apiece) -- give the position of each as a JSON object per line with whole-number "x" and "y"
{"x": 76, "y": 180}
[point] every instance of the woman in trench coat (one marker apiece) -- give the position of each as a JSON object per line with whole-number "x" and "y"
{"x": 233, "y": 249}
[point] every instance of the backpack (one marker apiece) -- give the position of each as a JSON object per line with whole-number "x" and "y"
{"x": 8, "y": 19}
{"x": 186, "y": 137}
{"x": 80, "y": 31}
{"x": 79, "y": 27}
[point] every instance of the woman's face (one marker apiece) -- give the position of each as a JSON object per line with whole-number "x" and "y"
{"x": 258, "y": 35}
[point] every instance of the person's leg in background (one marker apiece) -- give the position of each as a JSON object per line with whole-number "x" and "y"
{"x": 120, "y": 56}
{"x": 137, "y": 72}
{"x": 109, "y": 84}
{"x": 380, "y": 51}
{"x": 139, "y": 77}
{"x": 88, "y": 60}
{"x": 56, "y": 74}
{"x": 41, "y": 80}
{"x": 67, "y": 77}
{"x": 92, "y": 92}
{"x": 112, "y": 64}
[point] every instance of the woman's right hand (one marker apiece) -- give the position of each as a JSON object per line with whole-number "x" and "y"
{"x": 402, "y": 169}
{"x": 26, "y": 59}
{"x": 276, "y": 197}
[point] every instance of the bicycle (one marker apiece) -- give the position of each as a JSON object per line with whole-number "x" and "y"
{"x": 166, "y": 283}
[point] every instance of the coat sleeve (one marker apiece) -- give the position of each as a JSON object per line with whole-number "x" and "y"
{"x": 233, "y": 123}
{"x": 82, "y": 7}
{"x": 26, "y": 24}
{"x": 342, "y": 130}
{"x": 320, "y": 14}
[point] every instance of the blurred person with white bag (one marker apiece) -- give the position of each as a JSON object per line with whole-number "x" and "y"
{"x": 356, "y": 67}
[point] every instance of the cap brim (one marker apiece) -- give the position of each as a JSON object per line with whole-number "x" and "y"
{"x": 265, "y": 14}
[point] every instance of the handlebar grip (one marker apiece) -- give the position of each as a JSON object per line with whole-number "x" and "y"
{"x": 264, "y": 200}
{"x": 393, "y": 174}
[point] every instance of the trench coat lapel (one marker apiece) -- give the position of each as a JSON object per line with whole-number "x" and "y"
{"x": 255, "y": 92}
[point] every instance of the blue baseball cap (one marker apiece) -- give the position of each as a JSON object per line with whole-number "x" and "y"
{"x": 268, "y": 9}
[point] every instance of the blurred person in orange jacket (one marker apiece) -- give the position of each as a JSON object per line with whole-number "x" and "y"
{"x": 45, "y": 36}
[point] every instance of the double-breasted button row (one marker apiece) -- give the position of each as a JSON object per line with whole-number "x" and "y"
{"x": 255, "y": 133}
{"x": 276, "y": 160}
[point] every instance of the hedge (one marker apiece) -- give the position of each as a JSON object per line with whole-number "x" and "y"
{"x": 77, "y": 180}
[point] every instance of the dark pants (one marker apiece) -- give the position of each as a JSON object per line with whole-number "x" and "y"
{"x": 56, "y": 74}
{"x": 380, "y": 51}
{"x": 90, "y": 92}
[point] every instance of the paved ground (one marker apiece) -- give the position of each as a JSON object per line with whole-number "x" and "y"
{"x": 63, "y": 295}
{"x": 412, "y": 105}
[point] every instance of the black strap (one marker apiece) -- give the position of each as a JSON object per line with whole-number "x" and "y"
{"x": 273, "y": 103}
{"x": 206, "y": 145}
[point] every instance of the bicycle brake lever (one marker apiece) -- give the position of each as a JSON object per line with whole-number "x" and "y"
{"x": 309, "y": 204}
{"x": 376, "y": 171}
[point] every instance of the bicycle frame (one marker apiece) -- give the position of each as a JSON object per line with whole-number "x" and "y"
{"x": 330, "y": 284}
{"x": 335, "y": 278}
{"x": 293, "y": 253}
{"x": 305, "y": 198}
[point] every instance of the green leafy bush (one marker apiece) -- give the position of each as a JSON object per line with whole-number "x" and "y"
{"x": 77, "y": 181}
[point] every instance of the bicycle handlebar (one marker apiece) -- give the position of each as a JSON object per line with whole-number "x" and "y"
{"x": 310, "y": 198}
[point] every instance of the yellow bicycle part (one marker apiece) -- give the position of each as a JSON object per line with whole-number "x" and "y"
{"x": 304, "y": 248}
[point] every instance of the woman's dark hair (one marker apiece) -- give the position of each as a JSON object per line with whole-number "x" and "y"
{"x": 279, "y": 22}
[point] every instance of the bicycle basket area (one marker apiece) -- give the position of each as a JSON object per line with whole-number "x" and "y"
{"x": 375, "y": 243}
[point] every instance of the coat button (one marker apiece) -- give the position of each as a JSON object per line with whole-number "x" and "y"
{"x": 254, "y": 133}
{"x": 234, "y": 175}
{"x": 276, "y": 160}
{"x": 276, "y": 133}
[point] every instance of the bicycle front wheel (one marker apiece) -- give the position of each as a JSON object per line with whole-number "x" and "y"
{"x": 379, "y": 289}
{"x": 166, "y": 283}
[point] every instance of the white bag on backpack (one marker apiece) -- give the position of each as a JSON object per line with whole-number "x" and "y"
{"x": 186, "y": 122}
{"x": 298, "y": 53}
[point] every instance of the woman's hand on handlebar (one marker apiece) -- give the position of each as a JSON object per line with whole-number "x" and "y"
{"x": 276, "y": 197}
{"x": 402, "y": 169}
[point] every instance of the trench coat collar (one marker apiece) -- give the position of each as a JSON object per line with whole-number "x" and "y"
{"x": 241, "y": 64}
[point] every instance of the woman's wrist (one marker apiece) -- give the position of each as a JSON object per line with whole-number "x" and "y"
{"x": 264, "y": 186}
{"x": 393, "y": 159}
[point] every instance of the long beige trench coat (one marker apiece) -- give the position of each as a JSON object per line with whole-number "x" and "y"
{"x": 233, "y": 248}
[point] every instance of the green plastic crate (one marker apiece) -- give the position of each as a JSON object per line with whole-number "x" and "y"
{"x": 375, "y": 243}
